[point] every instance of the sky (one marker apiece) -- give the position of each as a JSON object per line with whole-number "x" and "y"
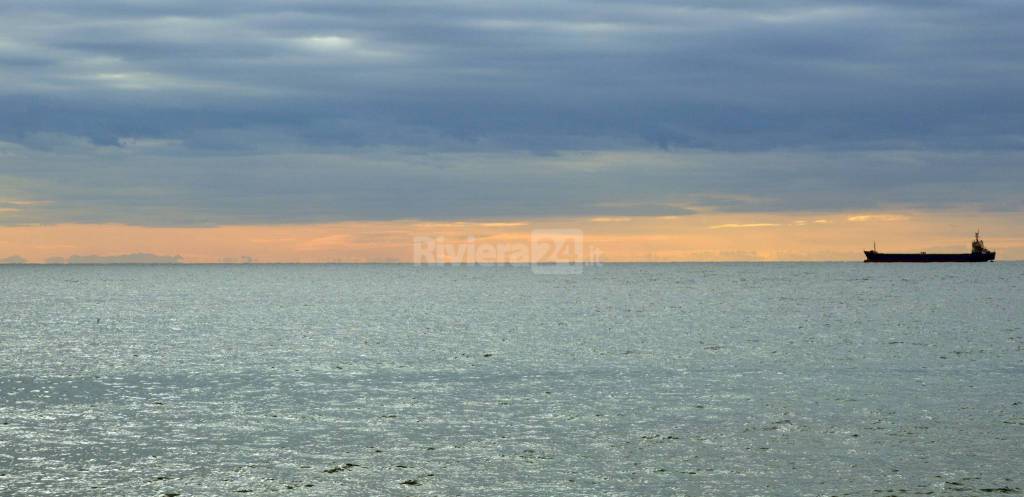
{"x": 701, "y": 130}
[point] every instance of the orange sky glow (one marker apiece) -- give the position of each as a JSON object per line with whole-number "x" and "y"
{"x": 837, "y": 236}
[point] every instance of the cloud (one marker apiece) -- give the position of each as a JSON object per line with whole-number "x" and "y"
{"x": 326, "y": 43}
{"x": 515, "y": 224}
{"x": 618, "y": 219}
{"x": 141, "y": 187}
{"x": 747, "y": 225}
{"x": 885, "y": 218}
{"x": 192, "y": 112}
{"x": 22, "y": 202}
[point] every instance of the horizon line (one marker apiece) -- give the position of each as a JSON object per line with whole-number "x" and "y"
{"x": 441, "y": 264}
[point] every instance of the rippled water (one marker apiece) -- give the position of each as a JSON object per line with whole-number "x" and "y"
{"x": 688, "y": 379}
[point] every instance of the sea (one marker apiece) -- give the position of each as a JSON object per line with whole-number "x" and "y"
{"x": 745, "y": 379}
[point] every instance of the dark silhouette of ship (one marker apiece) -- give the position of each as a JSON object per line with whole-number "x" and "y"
{"x": 978, "y": 254}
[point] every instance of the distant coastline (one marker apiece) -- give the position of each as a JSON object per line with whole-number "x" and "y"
{"x": 136, "y": 258}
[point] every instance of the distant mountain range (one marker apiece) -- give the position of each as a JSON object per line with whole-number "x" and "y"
{"x": 138, "y": 258}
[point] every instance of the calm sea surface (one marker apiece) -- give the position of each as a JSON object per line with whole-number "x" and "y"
{"x": 638, "y": 380}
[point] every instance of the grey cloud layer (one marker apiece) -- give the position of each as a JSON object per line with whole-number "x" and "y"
{"x": 266, "y": 111}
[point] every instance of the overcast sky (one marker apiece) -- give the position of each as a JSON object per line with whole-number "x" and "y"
{"x": 241, "y": 112}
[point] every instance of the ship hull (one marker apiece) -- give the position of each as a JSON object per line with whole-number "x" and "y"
{"x": 880, "y": 257}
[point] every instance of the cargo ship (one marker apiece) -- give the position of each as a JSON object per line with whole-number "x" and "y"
{"x": 978, "y": 254}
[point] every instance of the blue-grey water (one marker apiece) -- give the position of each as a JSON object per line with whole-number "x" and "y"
{"x": 652, "y": 380}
